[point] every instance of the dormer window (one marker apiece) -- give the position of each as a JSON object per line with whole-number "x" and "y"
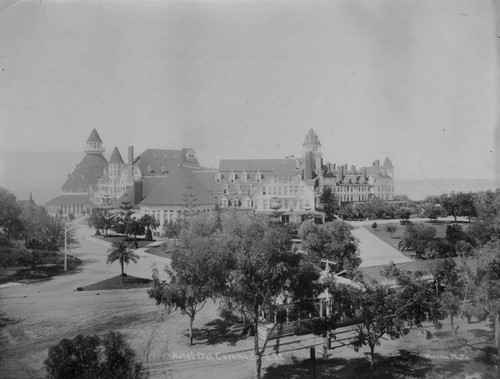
{"x": 150, "y": 169}
{"x": 258, "y": 177}
{"x": 218, "y": 177}
{"x": 164, "y": 170}
{"x": 244, "y": 177}
{"x": 232, "y": 177}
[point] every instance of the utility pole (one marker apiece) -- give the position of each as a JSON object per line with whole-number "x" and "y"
{"x": 65, "y": 248}
{"x": 312, "y": 354}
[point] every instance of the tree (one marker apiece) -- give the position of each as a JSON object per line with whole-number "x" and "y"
{"x": 487, "y": 204}
{"x": 172, "y": 229}
{"x": 149, "y": 222}
{"x": 417, "y": 237}
{"x": 95, "y": 220}
{"x": 459, "y": 204}
{"x": 9, "y": 213}
{"x": 89, "y": 357}
{"x": 263, "y": 270}
{"x": 197, "y": 274}
{"x": 332, "y": 241}
{"x": 373, "y": 208}
{"x": 189, "y": 199}
{"x": 101, "y": 219}
{"x": 486, "y": 286}
{"x": 433, "y": 211}
{"x": 123, "y": 218}
{"x": 385, "y": 310}
{"x": 454, "y": 233}
{"x": 391, "y": 228}
{"x": 54, "y": 235}
{"x": 329, "y": 203}
{"x": 34, "y": 219}
{"x": 404, "y": 214}
{"x": 121, "y": 253}
{"x": 135, "y": 227}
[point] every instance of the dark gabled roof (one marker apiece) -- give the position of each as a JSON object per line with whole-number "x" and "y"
{"x": 154, "y": 162}
{"x": 132, "y": 196}
{"x": 279, "y": 167}
{"x": 311, "y": 138}
{"x": 174, "y": 188}
{"x": 207, "y": 179}
{"x": 116, "y": 157}
{"x": 388, "y": 164}
{"x": 86, "y": 173}
{"x": 70, "y": 199}
{"x": 94, "y": 137}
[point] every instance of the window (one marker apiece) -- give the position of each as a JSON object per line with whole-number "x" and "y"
{"x": 263, "y": 190}
{"x": 264, "y": 204}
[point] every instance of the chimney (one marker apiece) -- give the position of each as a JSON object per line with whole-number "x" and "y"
{"x": 130, "y": 155}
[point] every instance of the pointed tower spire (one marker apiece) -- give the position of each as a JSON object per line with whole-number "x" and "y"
{"x": 116, "y": 157}
{"x": 94, "y": 143}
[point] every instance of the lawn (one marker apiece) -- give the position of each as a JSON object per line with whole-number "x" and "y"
{"x": 164, "y": 250}
{"x": 115, "y": 283}
{"x": 111, "y": 238}
{"x": 393, "y": 240}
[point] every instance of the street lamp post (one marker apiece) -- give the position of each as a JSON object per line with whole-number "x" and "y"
{"x": 65, "y": 248}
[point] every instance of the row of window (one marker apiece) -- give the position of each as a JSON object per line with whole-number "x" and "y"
{"x": 170, "y": 214}
{"x": 285, "y": 190}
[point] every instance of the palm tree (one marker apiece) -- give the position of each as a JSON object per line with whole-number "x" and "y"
{"x": 120, "y": 252}
{"x": 52, "y": 235}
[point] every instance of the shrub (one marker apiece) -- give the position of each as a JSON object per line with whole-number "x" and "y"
{"x": 149, "y": 235}
{"x": 374, "y": 225}
{"x": 93, "y": 357}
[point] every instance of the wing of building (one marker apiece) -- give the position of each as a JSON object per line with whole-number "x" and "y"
{"x": 160, "y": 182}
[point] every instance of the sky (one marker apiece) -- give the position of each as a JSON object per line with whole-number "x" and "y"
{"x": 412, "y": 80}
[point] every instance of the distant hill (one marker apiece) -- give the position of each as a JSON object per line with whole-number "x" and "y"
{"x": 418, "y": 189}
{"x": 41, "y": 173}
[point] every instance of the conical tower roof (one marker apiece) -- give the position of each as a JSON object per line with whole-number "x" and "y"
{"x": 311, "y": 139}
{"x": 94, "y": 137}
{"x": 116, "y": 157}
{"x": 388, "y": 164}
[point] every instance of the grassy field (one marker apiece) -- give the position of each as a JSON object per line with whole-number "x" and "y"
{"x": 393, "y": 240}
{"x": 121, "y": 237}
{"x": 115, "y": 283}
{"x": 164, "y": 250}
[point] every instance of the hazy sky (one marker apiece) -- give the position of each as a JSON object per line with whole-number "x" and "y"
{"x": 413, "y": 80}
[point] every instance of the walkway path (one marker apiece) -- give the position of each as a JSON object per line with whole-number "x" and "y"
{"x": 375, "y": 252}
